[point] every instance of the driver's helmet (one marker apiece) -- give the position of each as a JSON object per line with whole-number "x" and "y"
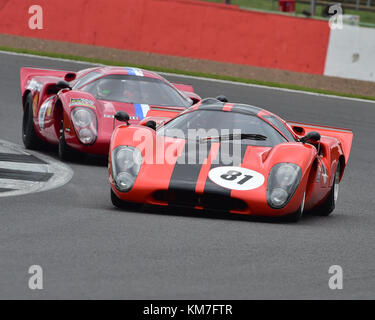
{"x": 109, "y": 87}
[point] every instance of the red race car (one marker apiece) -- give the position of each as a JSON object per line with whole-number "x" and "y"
{"x": 76, "y": 110}
{"x": 229, "y": 157}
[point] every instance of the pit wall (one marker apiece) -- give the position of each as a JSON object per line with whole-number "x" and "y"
{"x": 189, "y": 28}
{"x": 351, "y": 53}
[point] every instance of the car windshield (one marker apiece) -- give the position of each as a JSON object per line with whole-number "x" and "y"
{"x": 135, "y": 89}
{"x": 230, "y": 126}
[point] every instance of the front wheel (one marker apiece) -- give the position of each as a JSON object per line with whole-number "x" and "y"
{"x": 29, "y": 137}
{"x": 330, "y": 203}
{"x": 294, "y": 217}
{"x": 65, "y": 152}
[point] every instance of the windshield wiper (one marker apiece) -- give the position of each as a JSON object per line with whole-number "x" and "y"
{"x": 235, "y": 136}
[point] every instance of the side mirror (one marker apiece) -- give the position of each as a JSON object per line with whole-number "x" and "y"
{"x": 151, "y": 124}
{"x": 122, "y": 116}
{"x": 70, "y": 76}
{"x": 62, "y": 84}
{"x": 312, "y": 137}
{"x": 222, "y": 98}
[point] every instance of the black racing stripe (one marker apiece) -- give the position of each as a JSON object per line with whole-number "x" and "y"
{"x": 185, "y": 175}
{"x": 247, "y": 109}
{"x": 225, "y": 157}
{"x": 216, "y": 196}
{"x": 25, "y": 158}
{"x": 5, "y": 189}
{"x": 25, "y": 175}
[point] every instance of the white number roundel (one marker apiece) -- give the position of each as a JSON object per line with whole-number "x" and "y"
{"x": 236, "y": 178}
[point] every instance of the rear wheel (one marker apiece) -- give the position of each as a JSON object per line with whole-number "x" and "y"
{"x": 330, "y": 203}
{"x": 29, "y": 136}
{"x": 294, "y": 217}
{"x": 121, "y": 204}
{"x": 65, "y": 152}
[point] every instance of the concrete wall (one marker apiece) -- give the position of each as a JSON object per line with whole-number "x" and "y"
{"x": 184, "y": 28}
{"x": 351, "y": 53}
{"x": 202, "y": 30}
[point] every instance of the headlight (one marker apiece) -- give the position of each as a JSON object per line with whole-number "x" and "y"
{"x": 124, "y": 181}
{"x": 86, "y": 136}
{"x": 126, "y": 163}
{"x": 283, "y": 181}
{"x": 81, "y": 117}
{"x": 85, "y": 124}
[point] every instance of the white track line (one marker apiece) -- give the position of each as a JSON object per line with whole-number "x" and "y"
{"x": 17, "y": 184}
{"x": 61, "y": 172}
{"x": 7, "y": 150}
{"x": 203, "y": 79}
{"x": 24, "y": 166}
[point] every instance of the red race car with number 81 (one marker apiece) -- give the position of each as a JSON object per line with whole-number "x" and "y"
{"x": 228, "y": 157}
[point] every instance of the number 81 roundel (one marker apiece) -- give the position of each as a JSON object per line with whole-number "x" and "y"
{"x": 236, "y": 178}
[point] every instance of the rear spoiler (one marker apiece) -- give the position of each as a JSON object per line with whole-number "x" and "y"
{"x": 28, "y": 73}
{"x": 184, "y": 87}
{"x": 188, "y": 90}
{"x": 345, "y": 136}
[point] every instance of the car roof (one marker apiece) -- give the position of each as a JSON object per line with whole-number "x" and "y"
{"x": 129, "y": 71}
{"x": 217, "y": 105}
{"x": 214, "y": 104}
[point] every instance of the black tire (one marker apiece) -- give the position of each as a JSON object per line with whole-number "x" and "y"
{"x": 296, "y": 216}
{"x": 65, "y": 152}
{"x": 121, "y": 204}
{"x": 29, "y": 137}
{"x": 329, "y": 204}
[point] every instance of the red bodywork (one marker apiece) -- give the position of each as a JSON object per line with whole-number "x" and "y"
{"x": 51, "y": 105}
{"x": 152, "y": 185}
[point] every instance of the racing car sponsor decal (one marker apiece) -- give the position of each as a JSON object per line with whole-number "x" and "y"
{"x": 321, "y": 172}
{"x": 34, "y": 85}
{"x": 81, "y": 102}
{"x": 49, "y": 109}
{"x": 228, "y": 155}
{"x": 45, "y": 110}
{"x": 35, "y": 103}
{"x": 236, "y": 178}
{"x": 134, "y": 72}
{"x": 141, "y": 110}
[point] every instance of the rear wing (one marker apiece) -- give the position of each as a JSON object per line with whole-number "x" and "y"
{"x": 188, "y": 90}
{"x": 27, "y": 74}
{"x": 345, "y": 136}
{"x": 183, "y": 87}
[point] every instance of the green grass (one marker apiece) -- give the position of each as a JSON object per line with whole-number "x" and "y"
{"x": 184, "y": 72}
{"x": 269, "y": 5}
{"x": 256, "y": 4}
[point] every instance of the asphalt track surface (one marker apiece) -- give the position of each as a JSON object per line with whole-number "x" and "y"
{"x": 88, "y": 249}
